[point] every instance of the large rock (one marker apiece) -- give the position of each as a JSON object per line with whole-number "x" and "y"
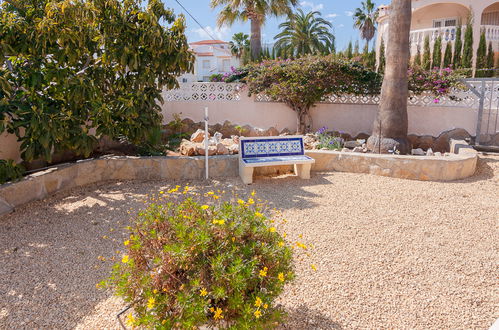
{"x": 362, "y": 136}
{"x": 352, "y": 144}
{"x": 272, "y": 131}
{"x": 285, "y": 131}
{"x": 228, "y": 129}
{"x": 212, "y": 150}
{"x": 187, "y": 148}
{"x": 442, "y": 143}
{"x": 234, "y": 149}
{"x": 222, "y": 149}
{"x": 198, "y": 136}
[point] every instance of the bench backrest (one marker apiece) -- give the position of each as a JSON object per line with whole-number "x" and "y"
{"x": 271, "y": 146}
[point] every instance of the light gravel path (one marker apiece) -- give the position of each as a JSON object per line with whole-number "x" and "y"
{"x": 390, "y": 253}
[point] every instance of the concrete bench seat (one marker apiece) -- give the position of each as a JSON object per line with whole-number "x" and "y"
{"x": 273, "y": 151}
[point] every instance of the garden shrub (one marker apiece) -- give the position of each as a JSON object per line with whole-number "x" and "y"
{"x": 194, "y": 260}
{"x": 328, "y": 140}
{"x": 10, "y": 171}
{"x": 438, "y": 82}
{"x": 82, "y": 66}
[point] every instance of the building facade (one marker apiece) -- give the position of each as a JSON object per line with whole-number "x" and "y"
{"x": 212, "y": 57}
{"x": 434, "y": 18}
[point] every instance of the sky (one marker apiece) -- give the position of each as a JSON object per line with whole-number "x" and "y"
{"x": 339, "y": 12}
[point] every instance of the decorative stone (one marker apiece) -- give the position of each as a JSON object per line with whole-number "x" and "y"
{"x": 272, "y": 131}
{"x": 418, "y": 152}
{"x": 222, "y": 149}
{"x": 234, "y": 149}
{"x": 357, "y": 149}
{"x": 5, "y": 207}
{"x": 429, "y": 152}
{"x": 187, "y": 148}
{"x": 235, "y": 138}
{"x": 218, "y": 137}
{"x": 352, "y": 144}
{"x": 212, "y": 150}
{"x": 285, "y": 131}
{"x": 442, "y": 142}
{"x": 345, "y": 150}
{"x": 198, "y": 136}
{"x": 438, "y": 154}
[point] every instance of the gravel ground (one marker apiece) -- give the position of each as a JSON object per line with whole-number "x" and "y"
{"x": 390, "y": 253}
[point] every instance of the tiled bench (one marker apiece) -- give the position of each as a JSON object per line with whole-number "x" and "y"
{"x": 272, "y": 151}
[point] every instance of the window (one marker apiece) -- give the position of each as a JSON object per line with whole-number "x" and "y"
{"x": 444, "y": 22}
{"x": 206, "y": 64}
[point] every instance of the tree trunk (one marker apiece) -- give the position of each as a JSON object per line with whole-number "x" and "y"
{"x": 256, "y": 39}
{"x": 390, "y": 125}
{"x": 303, "y": 121}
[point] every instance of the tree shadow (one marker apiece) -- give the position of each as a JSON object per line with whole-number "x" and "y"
{"x": 302, "y": 317}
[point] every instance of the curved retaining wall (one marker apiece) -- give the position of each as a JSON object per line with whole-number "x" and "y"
{"x": 41, "y": 184}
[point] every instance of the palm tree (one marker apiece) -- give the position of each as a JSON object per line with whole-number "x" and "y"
{"x": 365, "y": 20}
{"x": 254, "y": 10}
{"x": 305, "y": 34}
{"x": 239, "y": 44}
{"x": 391, "y": 123}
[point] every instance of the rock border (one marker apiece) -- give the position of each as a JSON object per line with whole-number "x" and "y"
{"x": 61, "y": 177}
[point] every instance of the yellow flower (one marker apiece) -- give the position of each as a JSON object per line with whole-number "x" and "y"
{"x": 257, "y": 313}
{"x": 313, "y": 267}
{"x": 210, "y": 193}
{"x": 204, "y": 207}
{"x": 126, "y": 242}
{"x": 130, "y": 320}
{"x": 150, "y": 303}
{"x": 265, "y": 306}
{"x": 161, "y": 192}
{"x": 281, "y": 244}
{"x": 155, "y": 291}
{"x": 215, "y": 197}
{"x": 203, "y": 292}
{"x": 240, "y": 202}
{"x": 281, "y": 277}
{"x": 253, "y": 193}
{"x": 303, "y": 246}
{"x": 258, "y": 214}
{"x": 263, "y": 272}
{"x": 272, "y": 229}
{"x": 219, "y": 222}
{"x": 125, "y": 259}
{"x": 233, "y": 239}
{"x": 212, "y": 309}
{"x": 251, "y": 201}
{"x": 218, "y": 314}
{"x": 258, "y": 302}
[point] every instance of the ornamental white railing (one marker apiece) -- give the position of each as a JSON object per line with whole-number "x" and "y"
{"x": 213, "y": 92}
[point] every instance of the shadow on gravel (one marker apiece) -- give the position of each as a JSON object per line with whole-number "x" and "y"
{"x": 305, "y": 318}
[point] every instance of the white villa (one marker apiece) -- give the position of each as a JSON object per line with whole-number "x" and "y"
{"x": 435, "y": 18}
{"x": 212, "y": 57}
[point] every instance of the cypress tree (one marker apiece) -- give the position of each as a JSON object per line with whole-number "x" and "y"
{"x": 447, "y": 55}
{"x": 490, "y": 61}
{"x": 348, "y": 52}
{"x": 481, "y": 57}
{"x": 458, "y": 48}
{"x": 371, "y": 60}
{"x": 417, "y": 59}
{"x": 356, "y": 48}
{"x": 426, "y": 54}
{"x": 437, "y": 53}
{"x": 467, "y": 59}
{"x": 382, "y": 60}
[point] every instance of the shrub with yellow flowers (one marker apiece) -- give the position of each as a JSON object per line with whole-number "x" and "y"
{"x": 194, "y": 260}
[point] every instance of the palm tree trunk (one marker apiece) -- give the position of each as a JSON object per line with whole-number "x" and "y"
{"x": 390, "y": 125}
{"x": 256, "y": 38}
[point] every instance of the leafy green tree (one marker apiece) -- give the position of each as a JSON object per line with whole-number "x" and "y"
{"x": 437, "y": 53}
{"x": 426, "y": 54}
{"x": 490, "y": 60}
{"x": 458, "y": 48}
{"x": 447, "y": 62}
{"x": 239, "y": 45}
{"x": 481, "y": 57}
{"x": 467, "y": 58}
{"x": 365, "y": 20}
{"x": 90, "y": 65}
{"x": 417, "y": 58}
{"x": 382, "y": 59}
{"x": 305, "y": 33}
{"x": 256, "y": 11}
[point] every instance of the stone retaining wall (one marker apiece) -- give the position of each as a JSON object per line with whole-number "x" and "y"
{"x": 41, "y": 184}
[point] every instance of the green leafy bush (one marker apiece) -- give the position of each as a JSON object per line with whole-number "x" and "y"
{"x": 9, "y": 171}
{"x": 82, "y": 66}
{"x": 187, "y": 264}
